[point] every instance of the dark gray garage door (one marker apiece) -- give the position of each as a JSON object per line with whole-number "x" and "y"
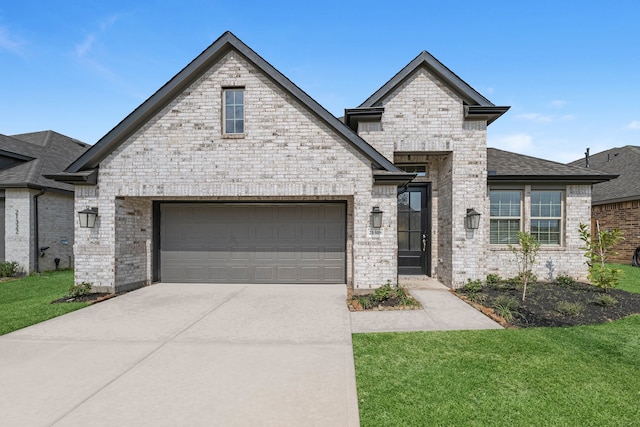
{"x": 258, "y": 243}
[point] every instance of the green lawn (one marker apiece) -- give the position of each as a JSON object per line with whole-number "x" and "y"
{"x": 25, "y": 301}
{"x": 631, "y": 280}
{"x": 580, "y": 376}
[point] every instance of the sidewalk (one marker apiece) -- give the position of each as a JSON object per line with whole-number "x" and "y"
{"x": 441, "y": 311}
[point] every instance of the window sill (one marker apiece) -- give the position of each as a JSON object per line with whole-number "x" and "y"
{"x": 543, "y": 248}
{"x": 233, "y": 135}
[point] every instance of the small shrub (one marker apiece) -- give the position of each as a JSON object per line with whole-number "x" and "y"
{"x": 525, "y": 253}
{"x": 605, "y": 300}
{"x": 492, "y": 279}
{"x": 75, "y": 291}
{"x": 479, "y": 298}
{"x": 515, "y": 281}
{"x": 365, "y": 301}
{"x": 9, "y": 269}
{"x": 472, "y": 287}
{"x": 598, "y": 247}
{"x": 506, "y": 307}
{"x": 565, "y": 280}
{"x": 569, "y": 308}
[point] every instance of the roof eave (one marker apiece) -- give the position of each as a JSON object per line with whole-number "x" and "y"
{"x": 398, "y": 179}
{"x": 482, "y": 112}
{"x": 77, "y": 178}
{"x": 558, "y": 179}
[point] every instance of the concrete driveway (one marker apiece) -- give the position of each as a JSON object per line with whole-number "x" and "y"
{"x": 178, "y": 354}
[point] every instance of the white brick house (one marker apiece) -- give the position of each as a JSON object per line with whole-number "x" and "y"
{"x": 36, "y": 214}
{"x": 231, "y": 173}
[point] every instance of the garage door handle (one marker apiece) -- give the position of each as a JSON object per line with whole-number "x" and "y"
{"x": 424, "y": 243}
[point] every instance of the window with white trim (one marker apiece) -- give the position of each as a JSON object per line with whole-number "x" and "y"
{"x": 505, "y": 213}
{"x": 546, "y": 216}
{"x": 233, "y": 111}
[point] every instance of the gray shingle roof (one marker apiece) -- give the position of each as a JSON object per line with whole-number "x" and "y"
{"x": 51, "y": 153}
{"x": 623, "y": 161}
{"x": 505, "y": 166}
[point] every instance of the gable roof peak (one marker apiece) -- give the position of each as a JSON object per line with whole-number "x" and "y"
{"x": 475, "y": 103}
{"x": 194, "y": 70}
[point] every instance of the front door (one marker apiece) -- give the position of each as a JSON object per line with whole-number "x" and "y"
{"x": 414, "y": 230}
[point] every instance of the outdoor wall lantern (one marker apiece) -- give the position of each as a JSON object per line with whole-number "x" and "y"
{"x": 376, "y": 217}
{"x": 88, "y": 217}
{"x": 472, "y": 219}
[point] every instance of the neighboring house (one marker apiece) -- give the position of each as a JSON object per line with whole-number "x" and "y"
{"x": 36, "y": 214}
{"x": 616, "y": 203}
{"x": 231, "y": 173}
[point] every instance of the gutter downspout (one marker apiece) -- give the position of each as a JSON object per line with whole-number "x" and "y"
{"x": 36, "y": 252}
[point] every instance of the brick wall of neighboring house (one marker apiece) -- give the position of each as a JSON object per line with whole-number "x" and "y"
{"x": 56, "y": 221}
{"x": 551, "y": 261}
{"x": 19, "y": 227}
{"x": 422, "y": 116}
{"x": 286, "y": 153}
{"x": 626, "y": 217}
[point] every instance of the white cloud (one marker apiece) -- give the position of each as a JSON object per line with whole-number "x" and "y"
{"x": 517, "y": 142}
{"x": 10, "y": 42}
{"x": 558, "y": 103}
{"x": 535, "y": 117}
{"x": 83, "y": 48}
{"x": 635, "y": 124}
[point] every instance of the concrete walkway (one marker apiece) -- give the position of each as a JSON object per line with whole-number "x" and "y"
{"x": 441, "y": 311}
{"x": 176, "y": 355}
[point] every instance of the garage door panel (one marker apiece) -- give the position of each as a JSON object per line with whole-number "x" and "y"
{"x": 266, "y": 243}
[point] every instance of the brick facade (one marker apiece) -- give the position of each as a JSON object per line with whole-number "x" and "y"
{"x": 625, "y": 216}
{"x": 55, "y": 228}
{"x": 425, "y": 118}
{"x": 285, "y": 154}
{"x": 290, "y": 153}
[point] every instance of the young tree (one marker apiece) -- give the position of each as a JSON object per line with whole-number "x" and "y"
{"x": 525, "y": 253}
{"x": 597, "y": 248}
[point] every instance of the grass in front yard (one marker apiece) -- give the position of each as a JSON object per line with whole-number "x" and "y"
{"x": 25, "y": 301}
{"x": 630, "y": 281}
{"x": 586, "y": 375}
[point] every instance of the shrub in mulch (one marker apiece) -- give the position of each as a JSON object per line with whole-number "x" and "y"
{"x": 553, "y": 304}
{"x": 386, "y": 297}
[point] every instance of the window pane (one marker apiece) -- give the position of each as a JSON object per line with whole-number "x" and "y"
{"x": 403, "y": 201}
{"x": 403, "y": 221}
{"x": 504, "y": 203}
{"x": 415, "y": 221}
{"x": 546, "y": 214}
{"x": 234, "y": 110}
{"x": 547, "y": 231}
{"x": 504, "y": 231}
{"x": 416, "y": 201}
{"x": 403, "y": 241}
{"x": 416, "y": 241}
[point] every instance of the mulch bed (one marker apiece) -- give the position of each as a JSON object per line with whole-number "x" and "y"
{"x": 89, "y": 298}
{"x": 541, "y": 309}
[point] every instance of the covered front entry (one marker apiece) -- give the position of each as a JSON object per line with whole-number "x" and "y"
{"x": 414, "y": 230}
{"x": 252, "y": 242}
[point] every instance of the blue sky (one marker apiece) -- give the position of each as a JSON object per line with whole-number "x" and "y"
{"x": 568, "y": 69}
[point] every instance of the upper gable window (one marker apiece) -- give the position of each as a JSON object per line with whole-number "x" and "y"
{"x": 233, "y": 111}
